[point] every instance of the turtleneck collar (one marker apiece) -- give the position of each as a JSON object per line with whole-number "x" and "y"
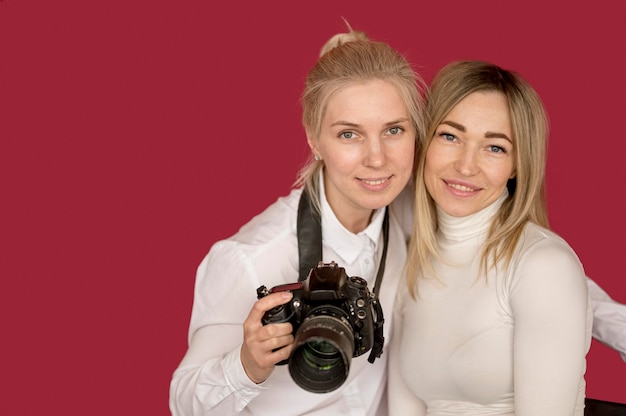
{"x": 460, "y": 229}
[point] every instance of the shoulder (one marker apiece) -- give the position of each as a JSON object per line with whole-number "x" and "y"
{"x": 269, "y": 233}
{"x": 266, "y": 244}
{"x": 544, "y": 259}
{"x": 547, "y": 282}
{"x": 273, "y": 223}
{"x": 540, "y": 245}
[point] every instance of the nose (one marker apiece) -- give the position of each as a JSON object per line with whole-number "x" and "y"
{"x": 466, "y": 163}
{"x": 374, "y": 153}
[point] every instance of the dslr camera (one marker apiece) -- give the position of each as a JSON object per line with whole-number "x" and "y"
{"x": 334, "y": 317}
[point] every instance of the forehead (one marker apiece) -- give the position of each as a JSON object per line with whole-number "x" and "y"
{"x": 481, "y": 112}
{"x": 366, "y": 99}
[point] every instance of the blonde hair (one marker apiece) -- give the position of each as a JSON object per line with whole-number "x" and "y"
{"x": 526, "y": 200}
{"x": 345, "y": 59}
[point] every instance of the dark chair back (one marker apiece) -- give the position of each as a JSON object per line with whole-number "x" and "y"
{"x": 594, "y": 407}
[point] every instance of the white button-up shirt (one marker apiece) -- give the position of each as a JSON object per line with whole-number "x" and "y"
{"x": 211, "y": 380}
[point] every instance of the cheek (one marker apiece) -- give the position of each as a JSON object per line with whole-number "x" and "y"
{"x": 430, "y": 175}
{"x": 335, "y": 157}
{"x": 434, "y": 161}
{"x": 405, "y": 156}
{"x": 499, "y": 176}
{"x": 340, "y": 162}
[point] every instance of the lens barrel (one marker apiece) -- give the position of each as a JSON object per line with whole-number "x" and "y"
{"x": 323, "y": 349}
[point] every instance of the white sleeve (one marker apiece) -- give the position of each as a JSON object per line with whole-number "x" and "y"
{"x": 552, "y": 313}
{"x": 211, "y": 380}
{"x": 609, "y": 319}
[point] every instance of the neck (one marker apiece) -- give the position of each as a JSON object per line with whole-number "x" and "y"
{"x": 355, "y": 222}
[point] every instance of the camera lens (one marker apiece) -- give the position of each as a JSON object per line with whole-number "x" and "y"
{"x": 321, "y": 356}
{"x": 324, "y": 347}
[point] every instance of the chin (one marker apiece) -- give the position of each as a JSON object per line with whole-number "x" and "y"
{"x": 460, "y": 213}
{"x": 455, "y": 211}
{"x": 376, "y": 203}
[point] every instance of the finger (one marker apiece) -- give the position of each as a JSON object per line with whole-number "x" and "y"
{"x": 276, "y": 330}
{"x": 268, "y": 302}
{"x": 277, "y": 342}
{"x": 259, "y": 358}
{"x": 268, "y": 337}
{"x": 280, "y": 354}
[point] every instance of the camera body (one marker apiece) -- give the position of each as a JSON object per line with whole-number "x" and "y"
{"x": 334, "y": 317}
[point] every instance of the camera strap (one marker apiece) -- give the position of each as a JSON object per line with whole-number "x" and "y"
{"x": 309, "y": 231}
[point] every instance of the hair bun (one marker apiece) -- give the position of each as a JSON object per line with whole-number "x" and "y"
{"x": 341, "y": 38}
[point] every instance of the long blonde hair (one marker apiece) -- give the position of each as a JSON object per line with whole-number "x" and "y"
{"x": 349, "y": 58}
{"x": 526, "y": 200}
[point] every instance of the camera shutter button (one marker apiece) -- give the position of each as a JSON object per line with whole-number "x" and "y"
{"x": 356, "y": 281}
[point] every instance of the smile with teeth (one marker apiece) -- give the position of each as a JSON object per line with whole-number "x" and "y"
{"x": 375, "y": 181}
{"x": 462, "y": 188}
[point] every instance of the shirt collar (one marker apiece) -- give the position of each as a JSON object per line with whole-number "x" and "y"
{"x": 344, "y": 242}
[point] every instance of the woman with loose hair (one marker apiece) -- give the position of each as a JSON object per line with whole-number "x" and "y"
{"x": 496, "y": 318}
{"x": 363, "y": 110}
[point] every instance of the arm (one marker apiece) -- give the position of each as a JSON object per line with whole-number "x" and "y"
{"x": 401, "y": 399}
{"x": 609, "y": 319}
{"x": 229, "y": 352}
{"x": 552, "y": 315}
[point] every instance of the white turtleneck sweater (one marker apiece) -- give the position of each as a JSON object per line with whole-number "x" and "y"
{"x": 509, "y": 343}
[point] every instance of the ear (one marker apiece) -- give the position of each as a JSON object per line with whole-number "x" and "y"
{"x": 312, "y": 144}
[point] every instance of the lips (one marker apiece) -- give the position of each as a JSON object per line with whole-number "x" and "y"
{"x": 461, "y": 187}
{"x": 380, "y": 180}
{"x": 374, "y": 182}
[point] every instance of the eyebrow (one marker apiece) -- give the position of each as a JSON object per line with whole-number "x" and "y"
{"x": 389, "y": 123}
{"x": 397, "y": 121}
{"x": 343, "y": 123}
{"x": 488, "y": 135}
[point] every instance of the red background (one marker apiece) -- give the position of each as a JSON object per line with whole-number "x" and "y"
{"x": 134, "y": 134}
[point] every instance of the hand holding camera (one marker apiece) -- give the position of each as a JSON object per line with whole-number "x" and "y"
{"x": 334, "y": 318}
{"x": 264, "y": 346}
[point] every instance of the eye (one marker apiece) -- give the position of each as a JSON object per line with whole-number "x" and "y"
{"x": 394, "y": 131}
{"x": 496, "y": 149}
{"x": 347, "y": 135}
{"x": 447, "y": 136}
